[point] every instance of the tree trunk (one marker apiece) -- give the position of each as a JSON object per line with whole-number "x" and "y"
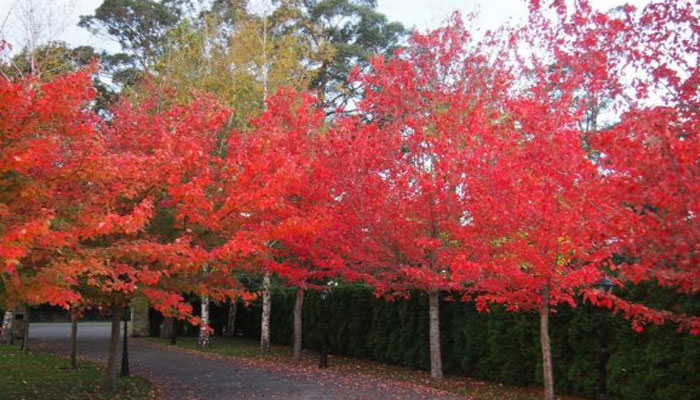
{"x": 25, "y": 332}
{"x": 73, "y": 338}
{"x": 231, "y": 323}
{"x": 265, "y": 323}
{"x": 203, "y": 339}
{"x": 298, "y": 305}
{"x": 111, "y": 370}
{"x": 205, "y": 310}
{"x": 546, "y": 349}
{"x": 8, "y": 325}
{"x": 435, "y": 354}
{"x": 166, "y": 329}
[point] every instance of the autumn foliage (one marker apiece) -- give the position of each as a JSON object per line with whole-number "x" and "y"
{"x": 47, "y": 140}
{"x": 516, "y": 167}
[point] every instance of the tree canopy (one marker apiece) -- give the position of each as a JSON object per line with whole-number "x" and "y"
{"x": 517, "y": 168}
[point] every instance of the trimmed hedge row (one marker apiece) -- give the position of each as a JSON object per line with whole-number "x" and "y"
{"x": 659, "y": 363}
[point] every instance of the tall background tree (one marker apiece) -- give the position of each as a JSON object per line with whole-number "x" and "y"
{"x": 351, "y": 32}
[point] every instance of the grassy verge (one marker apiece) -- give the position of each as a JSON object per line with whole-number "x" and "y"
{"x": 470, "y": 388}
{"x": 36, "y": 375}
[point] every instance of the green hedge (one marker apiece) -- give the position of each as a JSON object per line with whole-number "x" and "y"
{"x": 659, "y": 364}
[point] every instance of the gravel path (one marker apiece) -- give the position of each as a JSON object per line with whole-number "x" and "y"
{"x": 182, "y": 375}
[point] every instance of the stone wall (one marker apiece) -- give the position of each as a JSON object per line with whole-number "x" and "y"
{"x": 139, "y": 317}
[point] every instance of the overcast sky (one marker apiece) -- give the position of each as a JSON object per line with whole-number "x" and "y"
{"x": 58, "y": 18}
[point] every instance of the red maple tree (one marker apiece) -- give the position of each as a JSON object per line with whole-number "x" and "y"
{"x": 404, "y": 204}
{"x": 47, "y": 134}
{"x": 557, "y": 193}
{"x": 651, "y": 159}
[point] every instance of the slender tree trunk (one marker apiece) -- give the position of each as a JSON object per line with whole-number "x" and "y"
{"x": 546, "y": 349}
{"x": 204, "y": 327}
{"x": 231, "y": 323}
{"x": 73, "y": 338}
{"x": 8, "y": 325}
{"x": 166, "y": 329}
{"x": 298, "y": 306}
{"x": 435, "y": 353}
{"x": 265, "y": 323}
{"x": 111, "y": 370}
{"x": 205, "y": 310}
{"x": 25, "y": 332}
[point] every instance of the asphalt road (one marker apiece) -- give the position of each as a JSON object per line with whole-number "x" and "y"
{"x": 183, "y": 375}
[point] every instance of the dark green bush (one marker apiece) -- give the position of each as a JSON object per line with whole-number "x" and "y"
{"x": 659, "y": 364}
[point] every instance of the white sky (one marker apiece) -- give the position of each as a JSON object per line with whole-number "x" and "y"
{"x": 57, "y": 19}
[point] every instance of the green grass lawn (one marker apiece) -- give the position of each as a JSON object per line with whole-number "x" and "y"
{"x": 41, "y": 376}
{"x": 238, "y": 347}
{"x": 471, "y": 388}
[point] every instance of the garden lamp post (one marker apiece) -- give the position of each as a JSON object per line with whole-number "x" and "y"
{"x": 125, "y": 351}
{"x": 605, "y": 285}
{"x": 324, "y": 348}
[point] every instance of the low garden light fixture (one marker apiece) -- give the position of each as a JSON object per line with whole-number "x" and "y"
{"x": 323, "y": 363}
{"x": 605, "y": 285}
{"x": 125, "y": 351}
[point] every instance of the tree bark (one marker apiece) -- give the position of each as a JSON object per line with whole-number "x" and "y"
{"x": 231, "y": 323}
{"x": 205, "y": 310}
{"x": 111, "y": 370}
{"x": 204, "y": 327}
{"x": 546, "y": 348}
{"x": 73, "y": 338}
{"x": 435, "y": 353}
{"x": 265, "y": 323}
{"x": 298, "y": 306}
{"x": 8, "y": 325}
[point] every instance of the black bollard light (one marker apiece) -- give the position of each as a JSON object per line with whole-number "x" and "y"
{"x": 125, "y": 350}
{"x": 605, "y": 285}
{"x": 324, "y": 348}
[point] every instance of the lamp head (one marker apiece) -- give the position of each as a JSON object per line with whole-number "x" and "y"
{"x": 604, "y": 284}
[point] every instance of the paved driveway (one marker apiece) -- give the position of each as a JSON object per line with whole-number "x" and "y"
{"x": 183, "y": 375}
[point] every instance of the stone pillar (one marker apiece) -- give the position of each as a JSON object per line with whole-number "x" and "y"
{"x": 139, "y": 325}
{"x": 21, "y": 323}
{"x": 8, "y": 327}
